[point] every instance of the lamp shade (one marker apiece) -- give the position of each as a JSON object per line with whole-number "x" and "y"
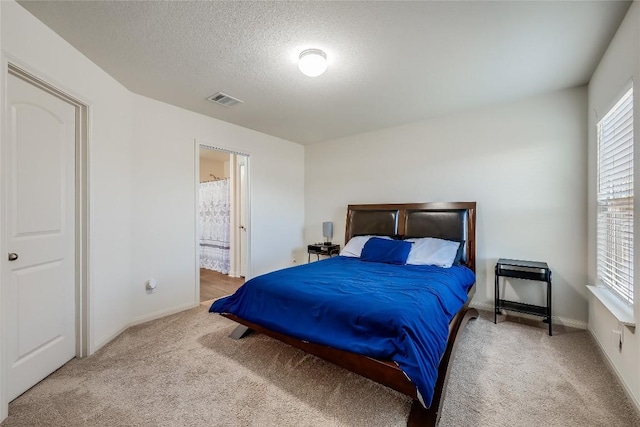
{"x": 327, "y": 229}
{"x": 312, "y": 62}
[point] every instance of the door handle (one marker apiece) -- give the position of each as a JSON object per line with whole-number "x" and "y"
{"x": 13, "y": 256}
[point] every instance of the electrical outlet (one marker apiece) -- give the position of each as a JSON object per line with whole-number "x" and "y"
{"x": 617, "y": 336}
{"x": 151, "y": 286}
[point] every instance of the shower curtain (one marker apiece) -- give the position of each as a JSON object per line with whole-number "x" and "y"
{"x": 214, "y": 225}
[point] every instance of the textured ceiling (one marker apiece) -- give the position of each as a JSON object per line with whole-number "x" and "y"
{"x": 389, "y": 62}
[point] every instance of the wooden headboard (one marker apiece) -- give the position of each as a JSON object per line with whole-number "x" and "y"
{"x": 443, "y": 220}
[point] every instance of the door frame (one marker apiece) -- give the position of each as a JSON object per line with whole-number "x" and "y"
{"x": 201, "y": 144}
{"x": 15, "y": 67}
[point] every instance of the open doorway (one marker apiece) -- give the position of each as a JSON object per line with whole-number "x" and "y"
{"x": 222, "y": 224}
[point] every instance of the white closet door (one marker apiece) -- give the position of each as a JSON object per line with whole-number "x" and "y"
{"x": 38, "y": 288}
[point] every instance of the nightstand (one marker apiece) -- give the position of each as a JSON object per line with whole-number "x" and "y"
{"x": 528, "y": 270}
{"x": 322, "y": 249}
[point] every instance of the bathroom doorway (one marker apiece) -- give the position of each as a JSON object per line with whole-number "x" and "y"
{"x": 221, "y": 222}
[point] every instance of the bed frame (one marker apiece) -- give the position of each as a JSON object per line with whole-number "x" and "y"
{"x": 447, "y": 220}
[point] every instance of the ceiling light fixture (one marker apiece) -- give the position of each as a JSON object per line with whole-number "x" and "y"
{"x": 312, "y": 62}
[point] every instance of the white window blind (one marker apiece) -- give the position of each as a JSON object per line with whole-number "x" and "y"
{"x": 615, "y": 198}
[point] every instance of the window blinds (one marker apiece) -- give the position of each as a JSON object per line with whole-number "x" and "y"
{"x": 615, "y": 198}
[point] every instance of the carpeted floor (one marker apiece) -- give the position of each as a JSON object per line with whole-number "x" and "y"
{"x": 182, "y": 370}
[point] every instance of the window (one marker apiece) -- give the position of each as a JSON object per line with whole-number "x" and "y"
{"x": 615, "y": 198}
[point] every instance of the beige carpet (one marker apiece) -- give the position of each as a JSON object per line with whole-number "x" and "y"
{"x": 183, "y": 371}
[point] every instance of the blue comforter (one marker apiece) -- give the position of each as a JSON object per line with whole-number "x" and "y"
{"x": 389, "y": 312}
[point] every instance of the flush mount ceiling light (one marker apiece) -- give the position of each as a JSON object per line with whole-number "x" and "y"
{"x": 312, "y": 62}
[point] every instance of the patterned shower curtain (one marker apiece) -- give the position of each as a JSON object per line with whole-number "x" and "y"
{"x": 214, "y": 225}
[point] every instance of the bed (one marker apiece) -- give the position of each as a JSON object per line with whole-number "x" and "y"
{"x": 454, "y": 221}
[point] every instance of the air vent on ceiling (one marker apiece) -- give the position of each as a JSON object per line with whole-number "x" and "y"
{"x": 223, "y": 99}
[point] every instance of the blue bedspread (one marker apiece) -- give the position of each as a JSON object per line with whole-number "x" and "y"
{"x": 389, "y": 312}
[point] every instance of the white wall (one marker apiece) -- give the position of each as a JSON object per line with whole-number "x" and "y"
{"x": 164, "y": 193}
{"x": 524, "y": 163}
{"x": 617, "y": 68}
{"x": 42, "y": 51}
{"x": 4, "y": 408}
{"x": 142, "y": 177}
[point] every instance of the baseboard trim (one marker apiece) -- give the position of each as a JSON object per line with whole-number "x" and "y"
{"x": 571, "y": 323}
{"x": 142, "y": 319}
{"x": 162, "y": 313}
{"x": 104, "y": 341}
{"x": 613, "y": 368}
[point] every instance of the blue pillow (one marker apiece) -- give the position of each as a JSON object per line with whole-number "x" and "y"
{"x": 387, "y": 251}
{"x": 458, "y": 258}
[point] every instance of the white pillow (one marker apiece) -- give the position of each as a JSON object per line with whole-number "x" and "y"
{"x": 431, "y": 251}
{"x": 353, "y": 248}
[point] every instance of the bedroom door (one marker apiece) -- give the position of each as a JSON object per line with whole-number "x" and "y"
{"x": 38, "y": 229}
